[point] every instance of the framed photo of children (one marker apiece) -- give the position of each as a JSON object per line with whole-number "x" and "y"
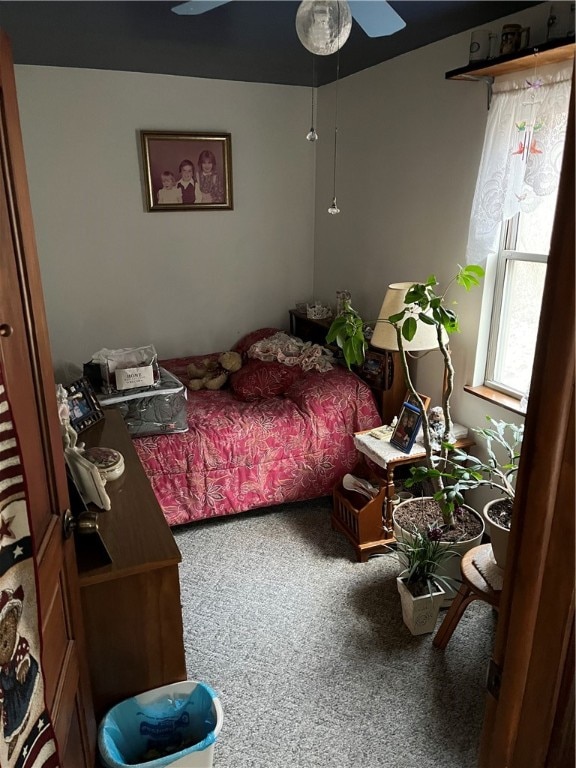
{"x": 406, "y": 428}
{"x": 187, "y": 171}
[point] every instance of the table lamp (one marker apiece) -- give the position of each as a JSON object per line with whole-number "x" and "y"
{"x": 384, "y": 336}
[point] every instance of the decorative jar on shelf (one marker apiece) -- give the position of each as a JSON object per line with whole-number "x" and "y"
{"x": 341, "y": 298}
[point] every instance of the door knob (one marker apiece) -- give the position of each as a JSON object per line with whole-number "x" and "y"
{"x": 5, "y": 329}
{"x": 86, "y": 522}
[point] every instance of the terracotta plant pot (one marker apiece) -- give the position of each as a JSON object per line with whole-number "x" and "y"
{"x": 420, "y": 613}
{"x": 498, "y": 535}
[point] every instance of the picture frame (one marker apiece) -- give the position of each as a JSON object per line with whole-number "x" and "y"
{"x": 411, "y": 400}
{"x": 406, "y": 428}
{"x": 84, "y": 408}
{"x": 378, "y": 369}
{"x": 87, "y": 479}
{"x": 187, "y": 171}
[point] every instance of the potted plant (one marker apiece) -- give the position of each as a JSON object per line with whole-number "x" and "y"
{"x": 443, "y": 515}
{"x": 499, "y": 475}
{"x": 347, "y": 330}
{"x": 421, "y": 587}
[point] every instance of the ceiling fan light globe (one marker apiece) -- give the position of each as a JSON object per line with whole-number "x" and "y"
{"x": 323, "y": 26}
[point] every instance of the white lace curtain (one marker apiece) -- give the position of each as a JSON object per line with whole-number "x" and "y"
{"x": 522, "y": 153}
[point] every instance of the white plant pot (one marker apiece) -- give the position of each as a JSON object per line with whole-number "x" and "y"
{"x": 420, "y": 613}
{"x": 498, "y": 536}
{"x": 450, "y": 568}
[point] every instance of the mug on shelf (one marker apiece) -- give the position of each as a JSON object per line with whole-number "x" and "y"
{"x": 480, "y": 45}
{"x": 514, "y": 38}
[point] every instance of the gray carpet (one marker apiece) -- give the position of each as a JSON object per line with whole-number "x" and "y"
{"x": 310, "y": 657}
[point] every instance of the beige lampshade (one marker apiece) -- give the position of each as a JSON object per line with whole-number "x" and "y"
{"x": 384, "y": 336}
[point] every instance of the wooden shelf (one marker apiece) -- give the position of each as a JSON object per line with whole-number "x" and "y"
{"x": 538, "y": 55}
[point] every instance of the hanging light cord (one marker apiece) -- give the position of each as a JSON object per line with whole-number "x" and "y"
{"x": 336, "y": 108}
{"x": 313, "y": 83}
{"x": 312, "y": 135}
{"x": 334, "y": 205}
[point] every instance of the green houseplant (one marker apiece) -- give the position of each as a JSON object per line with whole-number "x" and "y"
{"x": 442, "y": 516}
{"x": 499, "y": 475}
{"x": 347, "y": 330}
{"x": 424, "y": 305}
{"x": 421, "y": 587}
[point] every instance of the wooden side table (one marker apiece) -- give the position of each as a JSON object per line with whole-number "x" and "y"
{"x": 369, "y": 525}
{"x": 308, "y": 329}
{"x": 388, "y": 458}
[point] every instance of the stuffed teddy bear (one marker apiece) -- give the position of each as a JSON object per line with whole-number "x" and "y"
{"x": 436, "y": 426}
{"x": 213, "y": 374}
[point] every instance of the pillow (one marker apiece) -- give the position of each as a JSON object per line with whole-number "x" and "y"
{"x": 243, "y": 344}
{"x": 259, "y": 379}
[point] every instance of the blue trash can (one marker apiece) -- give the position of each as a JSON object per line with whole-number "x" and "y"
{"x": 175, "y": 725}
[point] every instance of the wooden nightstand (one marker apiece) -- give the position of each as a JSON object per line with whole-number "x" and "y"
{"x": 309, "y": 330}
{"x": 382, "y": 369}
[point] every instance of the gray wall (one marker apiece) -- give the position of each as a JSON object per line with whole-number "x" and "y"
{"x": 188, "y": 282}
{"x": 191, "y": 282}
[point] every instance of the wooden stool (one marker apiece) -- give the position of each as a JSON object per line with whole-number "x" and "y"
{"x": 474, "y": 587}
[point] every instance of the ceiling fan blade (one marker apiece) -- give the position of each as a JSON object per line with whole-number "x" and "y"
{"x": 376, "y": 17}
{"x": 195, "y": 7}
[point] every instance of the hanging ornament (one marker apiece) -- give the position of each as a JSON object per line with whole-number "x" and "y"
{"x": 334, "y": 207}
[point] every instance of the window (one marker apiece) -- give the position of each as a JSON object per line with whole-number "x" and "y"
{"x": 513, "y": 216}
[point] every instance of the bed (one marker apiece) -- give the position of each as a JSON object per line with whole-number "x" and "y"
{"x": 260, "y": 444}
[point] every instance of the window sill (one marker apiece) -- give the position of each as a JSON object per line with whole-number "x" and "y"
{"x": 497, "y": 398}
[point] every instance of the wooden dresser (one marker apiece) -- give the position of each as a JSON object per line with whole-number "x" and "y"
{"x": 131, "y": 606}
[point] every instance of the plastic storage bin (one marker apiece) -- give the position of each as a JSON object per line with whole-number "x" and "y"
{"x": 160, "y": 411}
{"x": 175, "y": 725}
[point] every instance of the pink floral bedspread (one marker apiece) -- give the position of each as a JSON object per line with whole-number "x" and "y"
{"x": 240, "y": 455}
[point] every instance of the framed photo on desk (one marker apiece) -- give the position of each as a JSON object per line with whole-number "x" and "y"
{"x": 407, "y": 428}
{"x": 411, "y": 400}
{"x": 84, "y": 408}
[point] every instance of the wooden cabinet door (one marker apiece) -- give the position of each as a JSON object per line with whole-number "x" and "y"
{"x": 28, "y": 375}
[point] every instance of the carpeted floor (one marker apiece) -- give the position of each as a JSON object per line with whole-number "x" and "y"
{"x": 310, "y": 657}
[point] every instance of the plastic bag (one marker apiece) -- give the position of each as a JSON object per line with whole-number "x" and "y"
{"x": 161, "y": 411}
{"x": 159, "y": 727}
{"x": 128, "y": 368}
